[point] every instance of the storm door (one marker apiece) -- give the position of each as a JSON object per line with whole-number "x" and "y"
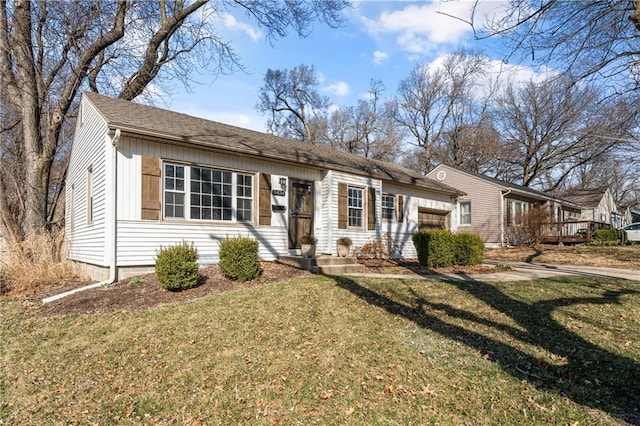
{"x": 300, "y": 211}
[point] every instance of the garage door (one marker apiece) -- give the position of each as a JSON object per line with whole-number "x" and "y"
{"x": 432, "y": 219}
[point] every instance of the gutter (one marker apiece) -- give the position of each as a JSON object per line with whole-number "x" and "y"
{"x": 504, "y": 194}
{"x": 113, "y": 268}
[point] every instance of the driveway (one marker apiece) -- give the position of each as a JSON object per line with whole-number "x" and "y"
{"x": 525, "y": 271}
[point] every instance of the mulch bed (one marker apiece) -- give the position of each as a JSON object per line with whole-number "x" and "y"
{"x": 144, "y": 291}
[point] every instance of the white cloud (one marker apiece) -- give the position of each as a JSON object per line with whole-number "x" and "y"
{"x": 420, "y": 29}
{"x": 498, "y": 75}
{"x": 231, "y": 23}
{"x": 338, "y": 89}
{"x": 380, "y": 57}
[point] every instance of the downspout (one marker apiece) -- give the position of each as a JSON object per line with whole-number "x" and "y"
{"x": 113, "y": 267}
{"x": 504, "y": 195}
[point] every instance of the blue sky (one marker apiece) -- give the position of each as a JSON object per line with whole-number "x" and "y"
{"x": 379, "y": 40}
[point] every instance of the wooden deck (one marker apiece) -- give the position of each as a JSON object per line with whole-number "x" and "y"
{"x": 574, "y": 232}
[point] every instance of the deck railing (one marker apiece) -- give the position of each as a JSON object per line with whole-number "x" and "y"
{"x": 571, "y": 231}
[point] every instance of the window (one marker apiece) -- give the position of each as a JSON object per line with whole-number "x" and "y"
{"x": 388, "y": 207}
{"x": 90, "y": 195}
{"x": 245, "y": 197}
{"x": 355, "y": 204}
{"x": 173, "y": 191}
{"x": 465, "y": 213}
{"x": 515, "y": 211}
{"x": 200, "y": 193}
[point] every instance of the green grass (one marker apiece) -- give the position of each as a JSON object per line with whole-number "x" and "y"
{"x": 337, "y": 351}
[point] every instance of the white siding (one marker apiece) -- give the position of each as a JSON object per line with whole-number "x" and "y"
{"x": 332, "y": 232}
{"x": 401, "y": 233}
{"x": 138, "y": 241}
{"x": 131, "y": 151}
{"x": 87, "y": 242}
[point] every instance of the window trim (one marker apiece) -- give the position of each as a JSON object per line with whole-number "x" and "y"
{"x": 187, "y": 193}
{"x": 361, "y": 208}
{"x": 461, "y": 215}
{"x": 393, "y": 208}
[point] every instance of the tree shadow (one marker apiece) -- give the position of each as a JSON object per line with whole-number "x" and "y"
{"x": 531, "y": 257}
{"x": 588, "y": 374}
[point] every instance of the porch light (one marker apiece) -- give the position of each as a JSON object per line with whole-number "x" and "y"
{"x": 283, "y": 181}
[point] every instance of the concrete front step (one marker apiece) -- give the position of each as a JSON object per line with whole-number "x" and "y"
{"x": 338, "y": 269}
{"x": 324, "y": 264}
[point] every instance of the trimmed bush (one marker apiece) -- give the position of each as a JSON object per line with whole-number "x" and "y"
{"x": 469, "y": 248}
{"x": 438, "y": 248}
{"x": 609, "y": 237}
{"x": 177, "y": 266}
{"x": 435, "y": 248}
{"x": 239, "y": 259}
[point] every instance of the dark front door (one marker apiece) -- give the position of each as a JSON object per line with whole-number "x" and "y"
{"x": 300, "y": 211}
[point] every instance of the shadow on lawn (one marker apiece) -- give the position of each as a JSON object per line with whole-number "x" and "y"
{"x": 591, "y": 375}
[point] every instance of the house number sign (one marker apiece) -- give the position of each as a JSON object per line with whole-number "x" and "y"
{"x": 279, "y": 192}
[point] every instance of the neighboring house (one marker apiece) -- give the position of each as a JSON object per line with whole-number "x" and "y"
{"x": 598, "y": 205}
{"x": 492, "y": 207}
{"x": 142, "y": 177}
{"x": 626, "y": 214}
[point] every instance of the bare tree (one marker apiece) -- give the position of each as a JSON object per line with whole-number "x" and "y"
{"x": 375, "y": 129}
{"x": 50, "y": 51}
{"x": 584, "y": 39}
{"x": 341, "y": 133}
{"x": 435, "y": 102}
{"x": 291, "y": 98}
{"x": 552, "y": 127}
{"x": 367, "y": 129}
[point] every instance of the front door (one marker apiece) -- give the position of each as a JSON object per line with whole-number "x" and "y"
{"x": 300, "y": 211}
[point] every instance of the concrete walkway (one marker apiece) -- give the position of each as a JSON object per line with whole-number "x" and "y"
{"x": 524, "y": 271}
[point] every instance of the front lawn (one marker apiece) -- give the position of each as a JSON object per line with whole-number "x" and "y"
{"x": 625, "y": 257}
{"x": 322, "y": 350}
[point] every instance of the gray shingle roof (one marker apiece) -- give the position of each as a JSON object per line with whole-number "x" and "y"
{"x": 589, "y": 197}
{"x": 172, "y": 126}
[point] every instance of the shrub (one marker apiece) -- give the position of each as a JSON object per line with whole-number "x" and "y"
{"x": 435, "y": 248}
{"x": 239, "y": 258}
{"x": 38, "y": 261}
{"x": 533, "y": 226}
{"x": 609, "y": 237}
{"x": 438, "y": 248}
{"x": 469, "y": 248}
{"x": 378, "y": 248}
{"x": 177, "y": 266}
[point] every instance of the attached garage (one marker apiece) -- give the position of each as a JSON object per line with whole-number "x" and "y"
{"x": 433, "y": 219}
